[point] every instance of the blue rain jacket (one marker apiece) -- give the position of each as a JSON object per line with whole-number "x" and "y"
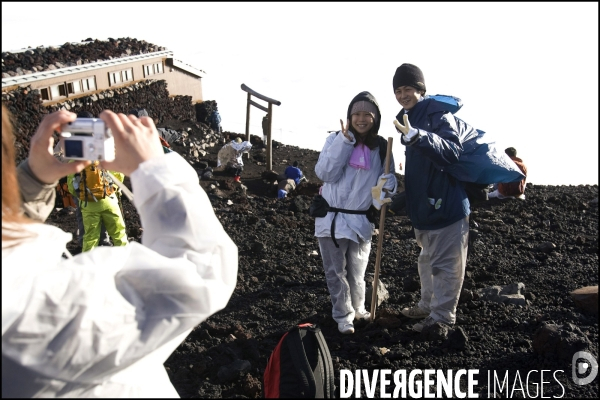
{"x": 434, "y": 200}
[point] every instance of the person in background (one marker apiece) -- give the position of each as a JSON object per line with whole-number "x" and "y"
{"x": 350, "y": 166}
{"x": 215, "y": 120}
{"x": 75, "y": 194}
{"x": 141, "y": 112}
{"x": 265, "y": 129}
{"x": 512, "y": 190}
{"x": 230, "y": 156}
{"x": 99, "y": 210}
{"x": 294, "y": 172}
{"x": 102, "y": 323}
{"x": 291, "y": 177}
{"x": 438, "y": 209}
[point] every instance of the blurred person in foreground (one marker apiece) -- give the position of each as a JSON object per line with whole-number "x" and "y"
{"x": 102, "y": 323}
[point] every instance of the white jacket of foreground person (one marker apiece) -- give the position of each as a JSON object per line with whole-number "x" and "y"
{"x": 102, "y": 323}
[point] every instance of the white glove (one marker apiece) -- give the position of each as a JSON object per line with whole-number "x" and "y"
{"x": 409, "y": 132}
{"x": 380, "y": 192}
{"x": 390, "y": 184}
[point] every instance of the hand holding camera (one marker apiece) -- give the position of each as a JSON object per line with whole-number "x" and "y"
{"x": 87, "y": 139}
{"x": 136, "y": 140}
{"x": 47, "y": 168}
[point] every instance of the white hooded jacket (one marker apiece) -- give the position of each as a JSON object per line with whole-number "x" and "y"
{"x": 102, "y": 323}
{"x": 231, "y": 154}
{"x": 348, "y": 188}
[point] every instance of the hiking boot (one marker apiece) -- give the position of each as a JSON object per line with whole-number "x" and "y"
{"x": 419, "y": 326}
{"x": 345, "y": 328}
{"x": 364, "y": 315}
{"x": 236, "y": 178}
{"x": 415, "y": 312}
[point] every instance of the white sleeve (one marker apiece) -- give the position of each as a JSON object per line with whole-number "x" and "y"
{"x": 334, "y": 157}
{"x": 101, "y": 311}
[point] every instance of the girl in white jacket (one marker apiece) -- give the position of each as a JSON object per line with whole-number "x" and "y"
{"x": 350, "y": 165}
{"x": 102, "y": 323}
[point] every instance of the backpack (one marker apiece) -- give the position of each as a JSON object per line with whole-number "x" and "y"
{"x": 63, "y": 194}
{"x": 513, "y": 188}
{"x": 94, "y": 183}
{"x": 480, "y": 164}
{"x": 300, "y": 366}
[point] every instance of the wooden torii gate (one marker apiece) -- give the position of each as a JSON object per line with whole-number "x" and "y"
{"x": 269, "y": 112}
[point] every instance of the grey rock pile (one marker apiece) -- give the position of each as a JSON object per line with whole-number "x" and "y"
{"x": 42, "y": 58}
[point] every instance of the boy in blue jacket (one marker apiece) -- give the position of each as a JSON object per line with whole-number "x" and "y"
{"x": 436, "y": 204}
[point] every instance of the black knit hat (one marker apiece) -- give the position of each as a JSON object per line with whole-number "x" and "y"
{"x": 409, "y": 75}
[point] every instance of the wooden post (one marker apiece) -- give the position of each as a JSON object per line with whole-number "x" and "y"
{"x": 269, "y": 137}
{"x": 248, "y": 117}
{"x": 269, "y": 110}
{"x": 380, "y": 236}
{"x": 248, "y": 122}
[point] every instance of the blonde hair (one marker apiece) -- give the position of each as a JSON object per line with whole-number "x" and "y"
{"x": 11, "y": 195}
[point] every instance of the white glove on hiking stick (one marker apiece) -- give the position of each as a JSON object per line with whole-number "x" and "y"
{"x": 383, "y": 191}
{"x": 409, "y": 132}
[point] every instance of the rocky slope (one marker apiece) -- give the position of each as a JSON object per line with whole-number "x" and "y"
{"x": 541, "y": 249}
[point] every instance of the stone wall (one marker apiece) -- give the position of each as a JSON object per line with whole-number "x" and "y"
{"x": 26, "y": 107}
{"x": 48, "y": 58}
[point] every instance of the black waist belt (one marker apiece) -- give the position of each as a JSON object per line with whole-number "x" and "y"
{"x": 343, "y": 211}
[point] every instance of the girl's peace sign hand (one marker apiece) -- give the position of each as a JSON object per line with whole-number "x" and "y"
{"x": 345, "y": 130}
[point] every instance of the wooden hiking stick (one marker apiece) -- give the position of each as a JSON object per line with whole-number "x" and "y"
{"x": 388, "y": 156}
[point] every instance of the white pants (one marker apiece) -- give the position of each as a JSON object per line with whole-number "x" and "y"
{"x": 442, "y": 268}
{"x": 345, "y": 274}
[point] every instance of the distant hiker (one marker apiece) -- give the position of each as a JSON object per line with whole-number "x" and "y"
{"x": 230, "y": 156}
{"x": 291, "y": 177}
{"x": 102, "y": 323}
{"x": 63, "y": 192}
{"x": 512, "y": 190}
{"x": 265, "y": 129}
{"x": 104, "y": 237}
{"x": 284, "y": 186}
{"x": 294, "y": 172}
{"x": 215, "y": 120}
{"x": 99, "y": 204}
{"x": 436, "y": 205}
{"x": 141, "y": 112}
{"x": 350, "y": 165}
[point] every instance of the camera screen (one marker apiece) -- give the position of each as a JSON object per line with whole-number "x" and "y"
{"x": 74, "y": 148}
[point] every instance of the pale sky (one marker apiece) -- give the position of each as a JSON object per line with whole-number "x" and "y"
{"x": 527, "y": 73}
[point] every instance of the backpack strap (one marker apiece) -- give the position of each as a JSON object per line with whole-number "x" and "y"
{"x": 85, "y": 188}
{"x": 382, "y": 149}
{"x": 327, "y": 364}
{"x": 301, "y": 363}
{"x": 104, "y": 177}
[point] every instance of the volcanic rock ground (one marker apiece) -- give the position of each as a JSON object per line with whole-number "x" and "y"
{"x": 548, "y": 242}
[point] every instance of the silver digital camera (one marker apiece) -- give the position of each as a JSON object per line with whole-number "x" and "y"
{"x": 87, "y": 139}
